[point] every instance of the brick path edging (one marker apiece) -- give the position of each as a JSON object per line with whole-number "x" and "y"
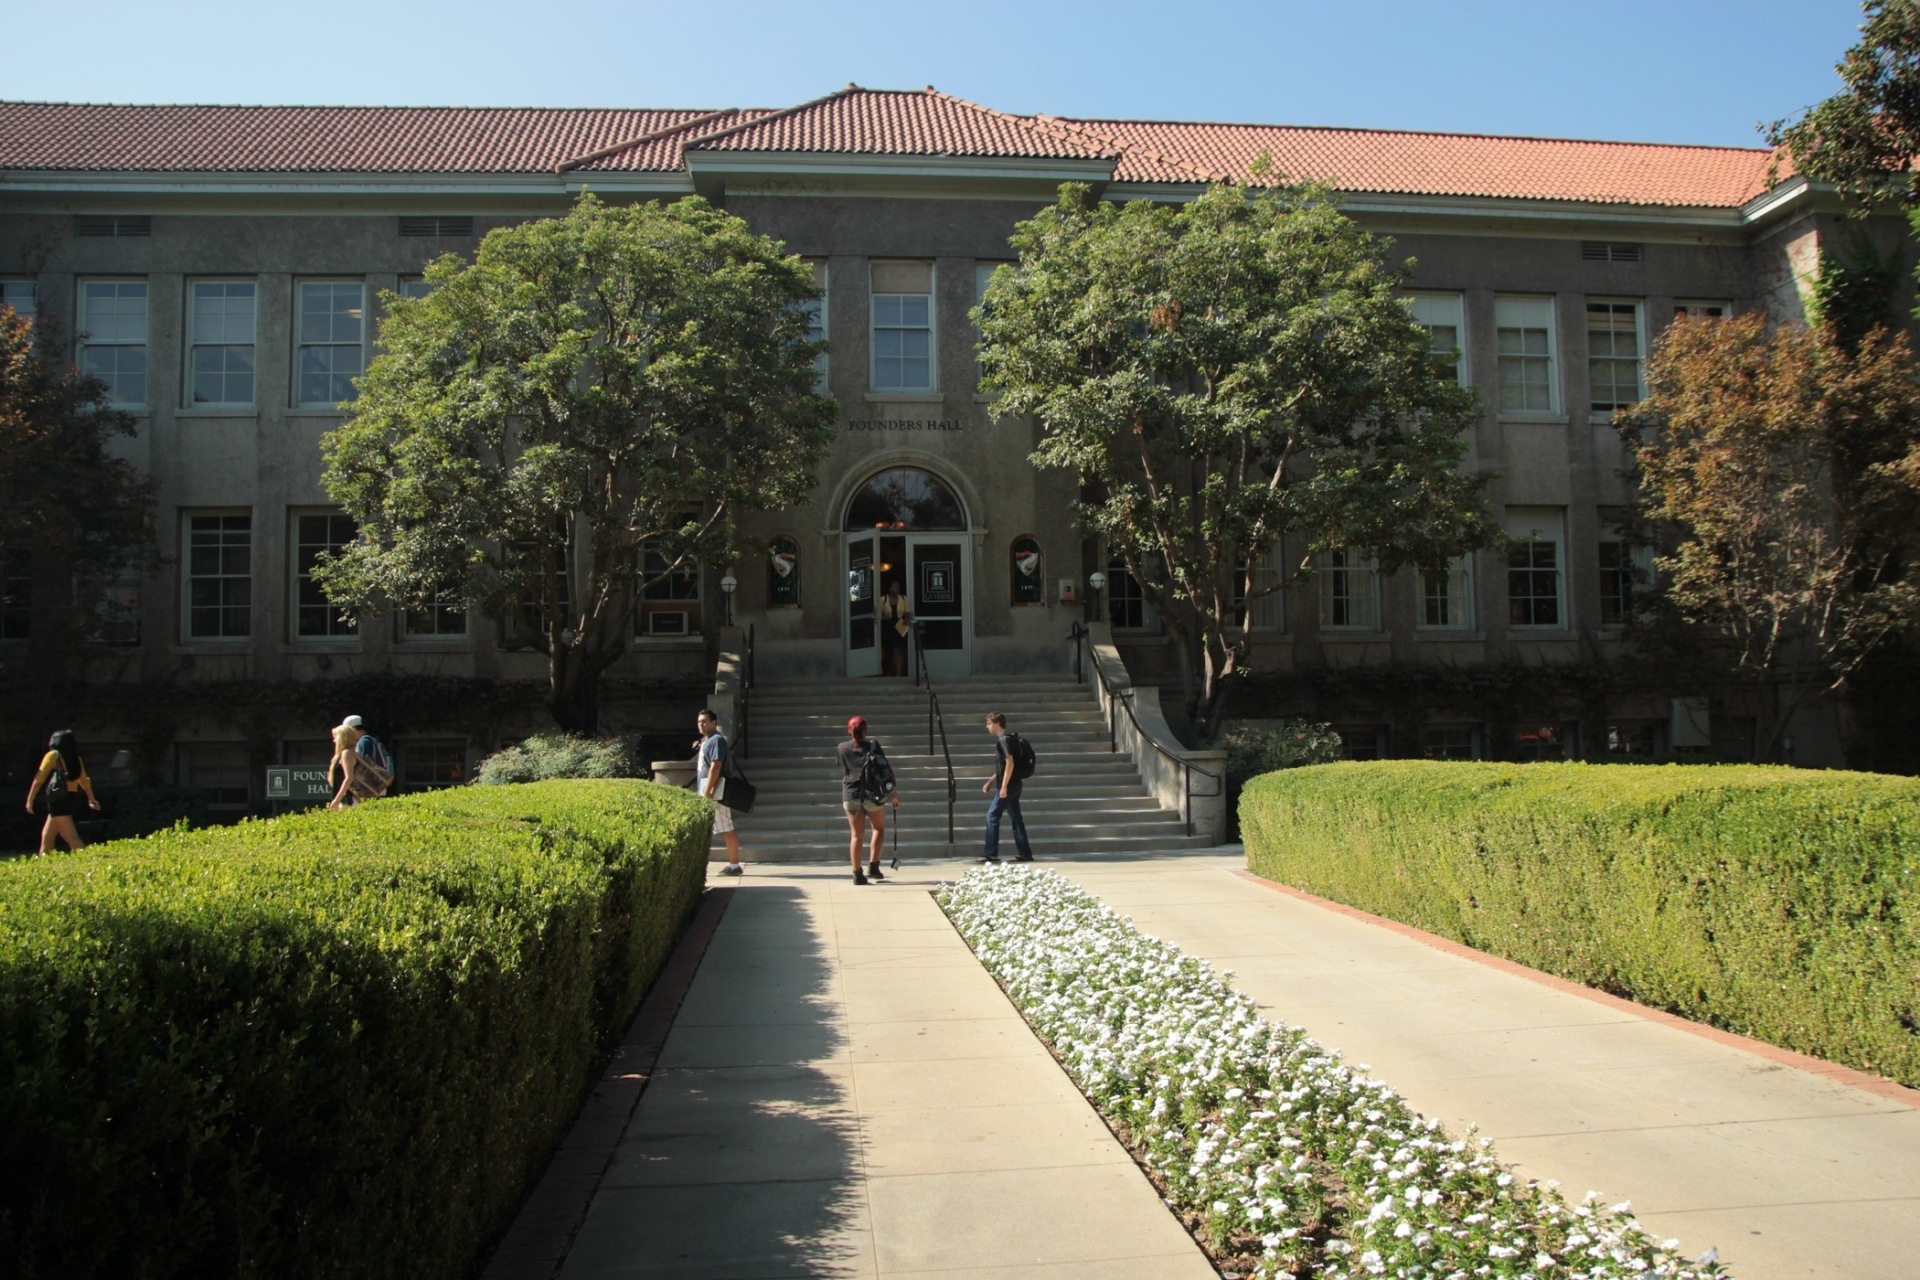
{"x": 543, "y": 1230}
{"x": 1833, "y": 1071}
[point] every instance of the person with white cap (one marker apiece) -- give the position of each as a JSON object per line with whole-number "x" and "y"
{"x": 364, "y": 774}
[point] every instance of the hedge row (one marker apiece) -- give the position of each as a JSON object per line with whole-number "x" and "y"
{"x": 331, "y": 1044}
{"x": 1781, "y": 904}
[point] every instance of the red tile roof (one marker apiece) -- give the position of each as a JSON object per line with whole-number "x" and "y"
{"x": 508, "y": 140}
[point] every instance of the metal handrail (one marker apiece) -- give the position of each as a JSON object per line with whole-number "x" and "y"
{"x": 935, "y": 721}
{"x": 1083, "y": 640}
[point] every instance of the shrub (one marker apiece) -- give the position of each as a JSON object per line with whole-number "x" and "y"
{"x": 325, "y": 1044}
{"x": 1778, "y": 903}
{"x": 1256, "y": 748}
{"x": 561, "y": 755}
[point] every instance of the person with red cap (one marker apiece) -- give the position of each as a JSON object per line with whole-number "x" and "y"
{"x": 866, "y": 787}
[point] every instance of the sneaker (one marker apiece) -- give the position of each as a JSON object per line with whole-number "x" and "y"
{"x": 995, "y": 859}
{"x": 1025, "y": 857}
{"x": 873, "y": 872}
{"x": 733, "y": 869}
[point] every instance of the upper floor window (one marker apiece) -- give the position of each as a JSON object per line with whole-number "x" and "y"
{"x": 219, "y": 577}
{"x": 816, "y": 309}
{"x": 982, "y": 274}
{"x": 1349, "y": 591}
{"x": 220, "y": 350}
{"x": 113, "y": 342}
{"x": 1446, "y": 596}
{"x": 1613, "y": 354}
{"x": 902, "y": 326}
{"x": 1523, "y": 337}
{"x": 1693, "y": 308}
{"x": 314, "y": 536}
{"x": 1127, "y": 605}
{"x": 1535, "y": 582}
{"x": 441, "y": 616}
{"x": 331, "y": 326}
{"x": 414, "y": 287}
{"x": 1440, "y": 315}
{"x": 670, "y": 600}
{"x": 22, "y": 295}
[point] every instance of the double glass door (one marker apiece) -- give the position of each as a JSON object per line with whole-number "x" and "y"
{"x": 932, "y": 571}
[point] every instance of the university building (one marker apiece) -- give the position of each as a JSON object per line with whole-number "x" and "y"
{"x": 223, "y": 271}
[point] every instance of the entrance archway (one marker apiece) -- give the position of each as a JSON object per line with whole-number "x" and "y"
{"x": 907, "y": 525}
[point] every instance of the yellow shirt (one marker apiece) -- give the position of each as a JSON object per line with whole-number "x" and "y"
{"x": 51, "y": 761}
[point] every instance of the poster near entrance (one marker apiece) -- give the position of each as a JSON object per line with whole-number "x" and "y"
{"x": 863, "y": 649}
{"x": 939, "y": 606}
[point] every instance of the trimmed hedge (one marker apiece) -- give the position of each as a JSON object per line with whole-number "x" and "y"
{"x": 1782, "y": 904}
{"x": 330, "y": 1044}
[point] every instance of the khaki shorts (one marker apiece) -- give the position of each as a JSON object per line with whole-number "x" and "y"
{"x": 722, "y": 816}
{"x": 863, "y": 806}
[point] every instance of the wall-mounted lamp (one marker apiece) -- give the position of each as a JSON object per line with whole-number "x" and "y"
{"x": 728, "y": 585}
{"x": 1095, "y": 581}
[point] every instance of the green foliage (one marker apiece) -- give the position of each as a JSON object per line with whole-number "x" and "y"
{"x": 1853, "y": 292}
{"x": 561, "y": 755}
{"x": 1224, "y": 374}
{"x": 590, "y": 387}
{"x": 1781, "y": 904}
{"x": 1256, "y": 749}
{"x": 324, "y": 1045}
{"x": 1865, "y": 137}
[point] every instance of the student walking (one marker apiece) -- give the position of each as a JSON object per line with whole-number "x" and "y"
{"x": 63, "y": 776}
{"x": 1004, "y": 788}
{"x": 366, "y": 771}
{"x": 714, "y": 763}
{"x": 866, "y": 785}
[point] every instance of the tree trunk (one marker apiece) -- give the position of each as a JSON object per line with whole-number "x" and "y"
{"x": 574, "y": 693}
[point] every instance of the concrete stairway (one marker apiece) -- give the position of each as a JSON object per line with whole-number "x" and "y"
{"x": 1083, "y": 798}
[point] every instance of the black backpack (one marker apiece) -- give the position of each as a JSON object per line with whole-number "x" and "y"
{"x": 1024, "y": 762}
{"x": 876, "y": 776}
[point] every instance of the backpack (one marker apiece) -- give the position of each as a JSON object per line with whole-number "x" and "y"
{"x": 1024, "y": 762}
{"x": 876, "y": 776}
{"x": 55, "y": 794}
{"x": 373, "y": 753}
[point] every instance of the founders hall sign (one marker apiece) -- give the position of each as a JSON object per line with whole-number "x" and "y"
{"x": 903, "y": 424}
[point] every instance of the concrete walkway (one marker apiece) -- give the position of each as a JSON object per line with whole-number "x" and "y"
{"x": 1790, "y": 1173}
{"x": 846, "y": 1093}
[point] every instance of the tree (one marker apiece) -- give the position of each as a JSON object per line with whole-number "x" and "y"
{"x": 1864, "y": 138}
{"x": 582, "y": 413}
{"x": 1784, "y": 472}
{"x": 1225, "y": 375}
{"x": 73, "y": 518}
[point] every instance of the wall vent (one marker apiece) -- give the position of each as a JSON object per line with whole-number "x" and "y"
{"x": 436, "y": 226}
{"x": 1602, "y": 251}
{"x": 113, "y": 224}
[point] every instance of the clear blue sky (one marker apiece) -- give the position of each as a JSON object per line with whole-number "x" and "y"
{"x": 1703, "y": 71}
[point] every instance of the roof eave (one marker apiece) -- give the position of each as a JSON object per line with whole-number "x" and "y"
{"x": 1497, "y": 207}
{"x": 716, "y": 171}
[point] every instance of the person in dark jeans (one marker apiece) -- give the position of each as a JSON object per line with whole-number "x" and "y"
{"x": 1005, "y": 790}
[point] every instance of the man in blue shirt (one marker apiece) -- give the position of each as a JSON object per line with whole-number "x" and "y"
{"x": 710, "y": 780}
{"x": 1004, "y": 787}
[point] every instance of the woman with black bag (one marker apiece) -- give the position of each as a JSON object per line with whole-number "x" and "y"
{"x": 866, "y": 783}
{"x": 69, "y": 791}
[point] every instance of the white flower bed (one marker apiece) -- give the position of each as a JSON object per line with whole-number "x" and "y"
{"x": 1287, "y": 1161}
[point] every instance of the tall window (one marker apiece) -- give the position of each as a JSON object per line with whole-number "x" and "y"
{"x": 982, "y": 273}
{"x": 1624, "y": 568}
{"x": 332, "y": 325}
{"x": 670, "y": 606}
{"x": 1127, "y": 606}
{"x": 220, "y": 356}
{"x": 16, "y": 593}
{"x": 113, "y": 344}
{"x": 1446, "y": 596}
{"x": 1534, "y": 562}
{"x": 1349, "y": 591}
{"x": 442, "y": 615}
{"x": 902, "y": 326}
{"x": 1256, "y": 588}
{"x": 22, "y": 295}
{"x": 1440, "y": 315}
{"x": 315, "y": 617}
{"x": 816, "y": 310}
{"x": 1613, "y": 354}
{"x": 219, "y": 577}
{"x": 1523, "y": 337}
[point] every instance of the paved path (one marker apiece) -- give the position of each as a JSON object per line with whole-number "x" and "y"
{"x": 1790, "y": 1174}
{"x": 846, "y": 1093}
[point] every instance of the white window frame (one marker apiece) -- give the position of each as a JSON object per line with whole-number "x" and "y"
{"x": 189, "y": 575}
{"x": 303, "y": 342}
{"x": 440, "y": 618}
{"x": 121, "y": 340}
{"x": 875, "y": 302}
{"x": 1348, "y": 576}
{"x": 226, "y": 342}
{"x": 817, "y": 321}
{"x": 1639, "y": 311}
{"x": 17, "y": 289}
{"x": 1510, "y": 304}
{"x": 1456, "y": 601}
{"x": 300, "y": 578}
{"x": 1432, "y": 311}
{"x": 1531, "y": 526}
{"x": 1270, "y": 610}
{"x": 414, "y": 288}
{"x": 662, "y": 597}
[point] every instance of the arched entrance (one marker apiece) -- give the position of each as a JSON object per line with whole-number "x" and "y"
{"x": 909, "y": 526}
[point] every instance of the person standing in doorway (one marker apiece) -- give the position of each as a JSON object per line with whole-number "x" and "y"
{"x": 866, "y": 785}
{"x": 896, "y": 628}
{"x": 710, "y": 774}
{"x": 1004, "y": 788}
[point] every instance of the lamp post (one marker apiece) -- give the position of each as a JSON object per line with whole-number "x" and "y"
{"x": 728, "y": 585}
{"x": 1095, "y": 581}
